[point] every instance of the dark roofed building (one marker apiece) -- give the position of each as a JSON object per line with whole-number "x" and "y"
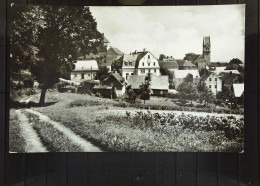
{"x": 115, "y": 80}
{"x": 185, "y": 65}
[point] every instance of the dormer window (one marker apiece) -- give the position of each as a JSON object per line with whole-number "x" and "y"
{"x": 209, "y": 79}
{"x": 130, "y": 63}
{"x": 148, "y": 56}
{"x": 126, "y": 63}
{"x": 153, "y": 63}
{"x": 143, "y": 63}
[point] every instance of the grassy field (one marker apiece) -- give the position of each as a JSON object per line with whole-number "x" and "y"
{"x": 114, "y": 129}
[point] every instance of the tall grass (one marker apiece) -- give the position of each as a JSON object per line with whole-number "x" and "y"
{"x": 52, "y": 138}
{"x": 16, "y": 140}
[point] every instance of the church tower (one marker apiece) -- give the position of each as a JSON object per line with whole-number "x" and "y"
{"x": 206, "y": 49}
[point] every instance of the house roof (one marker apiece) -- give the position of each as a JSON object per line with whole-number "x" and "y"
{"x": 206, "y": 75}
{"x": 188, "y": 64}
{"x": 184, "y": 73}
{"x": 159, "y": 82}
{"x": 116, "y": 50}
{"x": 105, "y": 40}
{"x": 169, "y": 64}
{"x": 238, "y": 89}
{"x": 82, "y": 65}
{"x": 117, "y": 77}
{"x": 135, "y": 81}
{"x": 129, "y": 58}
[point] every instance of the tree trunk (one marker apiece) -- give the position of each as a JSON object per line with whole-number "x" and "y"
{"x": 42, "y": 98}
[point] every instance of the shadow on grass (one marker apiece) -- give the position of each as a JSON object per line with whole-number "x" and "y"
{"x": 30, "y": 104}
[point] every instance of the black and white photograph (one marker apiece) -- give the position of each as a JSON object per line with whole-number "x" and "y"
{"x": 127, "y": 79}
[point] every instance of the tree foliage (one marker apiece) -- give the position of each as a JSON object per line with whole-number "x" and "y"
{"x": 187, "y": 91}
{"x": 205, "y": 94}
{"x": 145, "y": 91}
{"x": 190, "y": 56}
{"x": 48, "y": 40}
{"x": 102, "y": 73}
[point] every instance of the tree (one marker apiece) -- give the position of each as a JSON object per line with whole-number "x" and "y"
{"x": 205, "y": 94}
{"x": 131, "y": 93}
{"x": 161, "y": 57}
{"x": 187, "y": 90}
{"x": 165, "y": 71}
{"x": 102, "y": 73}
{"x": 234, "y": 64}
{"x": 190, "y": 56}
{"x": 145, "y": 91}
{"x": 48, "y": 40}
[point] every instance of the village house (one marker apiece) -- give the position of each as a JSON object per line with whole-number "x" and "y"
{"x": 112, "y": 55}
{"x": 170, "y": 64}
{"x": 117, "y": 81}
{"x": 137, "y": 63}
{"x": 84, "y": 70}
{"x": 212, "y": 81}
{"x": 228, "y": 79}
{"x": 180, "y": 75}
{"x": 159, "y": 85}
{"x": 185, "y": 65}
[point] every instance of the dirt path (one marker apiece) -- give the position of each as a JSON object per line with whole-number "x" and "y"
{"x": 32, "y": 140}
{"x": 77, "y": 140}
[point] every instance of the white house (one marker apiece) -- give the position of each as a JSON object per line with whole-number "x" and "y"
{"x": 147, "y": 63}
{"x": 128, "y": 65}
{"x": 213, "y": 82}
{"x": 84, "y": 70}
{"x": 180, "y": 75}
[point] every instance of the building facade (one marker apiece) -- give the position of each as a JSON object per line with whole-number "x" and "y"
{"x": 84, "y": 70}
{"x": 206, "y": 49}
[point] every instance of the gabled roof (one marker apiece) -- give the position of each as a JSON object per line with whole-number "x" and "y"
{"x": 169, "y": 65}
{"x": 82, "y": 65}
{"x": 188, "y": 64}
{"x": 238, "y": 89}
{"x": 117, "y": 77}
{"x": 206, "y": 75}
{"x": 135, "y": 81}
{"x": 129, "y": 58}
{"x": 183, "y": 73}
{"x": 105, "y": 40}
{"x": 116, "y": 50}
{"x": 159, "y": 82}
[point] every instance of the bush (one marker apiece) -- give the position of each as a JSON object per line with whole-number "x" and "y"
{"x": 82, "y": 103}
{"x": 28, "y": 83}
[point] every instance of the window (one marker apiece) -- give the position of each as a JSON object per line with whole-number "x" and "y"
{"x": 126, "y": 63}
{"x": 143, "y": 71}
{"x": 148, "y": 64}
{"x": 153, "y": 63}
{"x": 126, "y": 75}
{"x": 148, "y": 56}
{"x": 216, "y": 79}
{"x": 143, "y": 63}
{"x": 88, "y": 74}
{"x": 75, "y": 75}
{"x": 82, "y": 76}
{"x": 132, "y": 73}
{"x": 154, "y": 70}
{"x": 209, "y": 79}
{"x": 149, "y": 70}
{"x": 209, "y": 86}
{"x": 215, "y": 86}
{"x": 130, "y": 63}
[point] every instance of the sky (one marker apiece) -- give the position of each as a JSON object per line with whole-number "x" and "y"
{"x": 174, "y": 30}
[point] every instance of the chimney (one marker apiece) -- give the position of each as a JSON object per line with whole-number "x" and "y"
{"x": 144, "y": 50}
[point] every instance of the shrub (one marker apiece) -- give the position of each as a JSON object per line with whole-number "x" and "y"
{"x": 81, "y": 103}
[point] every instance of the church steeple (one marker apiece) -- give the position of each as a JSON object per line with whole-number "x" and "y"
{"x": 206, "y": 49}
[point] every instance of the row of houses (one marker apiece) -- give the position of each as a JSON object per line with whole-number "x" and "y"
{"x": 131, "y": 69}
